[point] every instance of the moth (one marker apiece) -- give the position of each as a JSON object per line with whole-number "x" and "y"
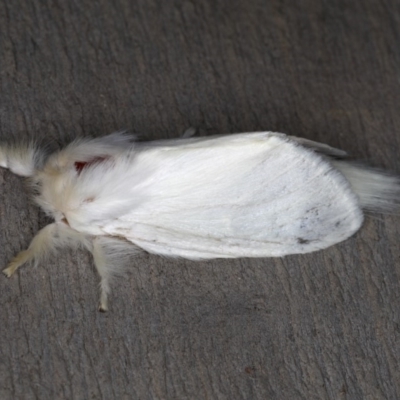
{"x": 260, "y": 194}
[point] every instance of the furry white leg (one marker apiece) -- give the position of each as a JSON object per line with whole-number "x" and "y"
{"x": 22, "y": 159}
{"x": 100, "y": 262}
{"x": 112, "y": 258}
{"x": 40, "y": 246}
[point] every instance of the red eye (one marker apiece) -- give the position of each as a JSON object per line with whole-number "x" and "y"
{"x": 80, "y": 165}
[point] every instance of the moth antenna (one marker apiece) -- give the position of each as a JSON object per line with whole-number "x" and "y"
{"x": 321, "y": 148}
{"x": 20, "y": 159}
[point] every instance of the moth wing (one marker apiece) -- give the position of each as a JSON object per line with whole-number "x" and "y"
{"x": 245, "y": 195}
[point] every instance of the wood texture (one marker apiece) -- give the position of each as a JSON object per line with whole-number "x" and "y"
{"x": 320, "y": 326}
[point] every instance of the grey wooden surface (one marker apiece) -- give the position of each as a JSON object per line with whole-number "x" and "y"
{"x": 319, "y": 326}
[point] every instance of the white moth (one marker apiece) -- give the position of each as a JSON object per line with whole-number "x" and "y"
{"x": 245, "y": 195}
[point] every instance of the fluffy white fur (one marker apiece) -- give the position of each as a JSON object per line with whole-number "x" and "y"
{"x": 246, "y": 195}
{"x": 21, "y": 159}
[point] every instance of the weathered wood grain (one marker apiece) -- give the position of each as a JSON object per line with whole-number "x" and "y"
{"x": 321, "y": 326}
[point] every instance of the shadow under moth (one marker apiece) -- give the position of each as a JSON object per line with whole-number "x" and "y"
{"x": 259, "y": 194}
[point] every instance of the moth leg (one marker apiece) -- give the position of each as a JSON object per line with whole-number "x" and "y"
{"x": 100, "y": 262}
{"x": 39, "y": 247}
{"x": 20, "y": 259}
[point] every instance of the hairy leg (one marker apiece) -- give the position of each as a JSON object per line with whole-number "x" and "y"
{"x": 100, "y": 262}
{"x": 112, "y": 258}
{"x": 40, "y": 246}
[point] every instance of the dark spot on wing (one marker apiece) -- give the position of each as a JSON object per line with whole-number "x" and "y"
{"x": 303, "y": 241}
